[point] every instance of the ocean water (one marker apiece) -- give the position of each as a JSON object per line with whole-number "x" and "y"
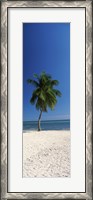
{"x": 47, "y": 125}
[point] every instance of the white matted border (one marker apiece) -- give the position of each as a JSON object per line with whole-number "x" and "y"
{"x": 76, "y": 18}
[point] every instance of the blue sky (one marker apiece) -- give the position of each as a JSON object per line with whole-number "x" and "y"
{"x": 46, "y": 47}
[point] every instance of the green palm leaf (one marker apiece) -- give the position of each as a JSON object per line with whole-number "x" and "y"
{"x": 33, "y": 82}
{"x": 57, "y": 92}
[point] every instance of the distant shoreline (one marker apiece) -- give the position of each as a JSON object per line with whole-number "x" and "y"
{"x": 47, "y": 125}
{"x": 48, "y": 120}
{"x": 31, "y": 131}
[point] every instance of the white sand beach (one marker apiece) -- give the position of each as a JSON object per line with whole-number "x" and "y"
{"x": 46, "y": 154}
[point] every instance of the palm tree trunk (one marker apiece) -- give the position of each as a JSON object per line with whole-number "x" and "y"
{"x": 39, "y": 121}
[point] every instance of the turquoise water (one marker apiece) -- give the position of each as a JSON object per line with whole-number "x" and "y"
{"x": 47, "y": 125}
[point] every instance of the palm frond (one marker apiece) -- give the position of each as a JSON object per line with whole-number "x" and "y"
{"x": 45, "y": 95}
{"x": 54, "y": 82}
{"x": 33, "y": 98}
{"x": 57, "y": 92}
{"x": 38, "y": 105}
{"x": 42, "y": 95}
{"x": 36, "y": 76}
{"x": 45, "y": 76}
{"x": 33, "y": 82}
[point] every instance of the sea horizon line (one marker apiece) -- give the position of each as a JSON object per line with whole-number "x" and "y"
{"x": 47, "y": 120}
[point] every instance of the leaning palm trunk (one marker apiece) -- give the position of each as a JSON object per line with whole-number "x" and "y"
{"x": 39, "y": 128}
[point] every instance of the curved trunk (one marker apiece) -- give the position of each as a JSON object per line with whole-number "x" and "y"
{"x": 39, "y": 121}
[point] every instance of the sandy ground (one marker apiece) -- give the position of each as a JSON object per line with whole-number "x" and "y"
{"x": 46, "y": 154}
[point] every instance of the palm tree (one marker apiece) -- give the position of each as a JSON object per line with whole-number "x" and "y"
{"x": 44, "y": 95}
